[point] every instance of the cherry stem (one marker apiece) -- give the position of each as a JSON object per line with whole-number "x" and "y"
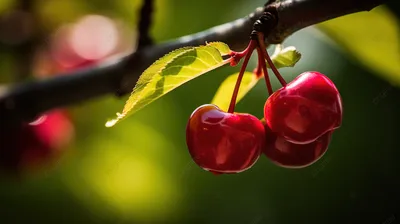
{"x": 271, "y": 64}
{"x": 258, "y": 71}
{"x": 249, "y": 50}
{"x": 263, "y": 66}
{"x": 237, "y": 56}
{"x": 240, "y": 55}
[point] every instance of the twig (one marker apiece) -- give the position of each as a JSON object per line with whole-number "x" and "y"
{"x": 20, "y": 23}
{"x": 145, "y": 21}
{"x": 25, "y": 51}
{"x": 119, "y": 76}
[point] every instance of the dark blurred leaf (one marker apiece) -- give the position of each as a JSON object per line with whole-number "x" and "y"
{"x": 372, "y": 37}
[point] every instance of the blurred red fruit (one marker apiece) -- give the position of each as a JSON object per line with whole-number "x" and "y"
{"x": 34, "y": 145}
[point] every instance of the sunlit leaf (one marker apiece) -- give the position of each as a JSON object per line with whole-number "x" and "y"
{"x": 168, "y": 73}
{"x": 223, "y": 95}
{"x": 372, "y": 37}
{"x": 222, "y": 47}
{"x": 287, "y": 57}
{"x": 160, "y": 64}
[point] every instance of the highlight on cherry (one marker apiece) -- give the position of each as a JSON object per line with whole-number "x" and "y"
{"x": 299, "y": 118}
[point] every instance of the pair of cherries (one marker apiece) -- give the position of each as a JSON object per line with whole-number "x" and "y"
{"x": 296, "y": 130}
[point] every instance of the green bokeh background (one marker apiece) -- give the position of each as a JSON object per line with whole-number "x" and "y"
{"x": 141, "y": 172}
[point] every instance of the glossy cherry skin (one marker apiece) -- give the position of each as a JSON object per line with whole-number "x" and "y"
{"x": 305, "y": 109}
{"x": 290, "y": 155}
{"x": 31, "y": 146}
{"x": 224, "y": 142}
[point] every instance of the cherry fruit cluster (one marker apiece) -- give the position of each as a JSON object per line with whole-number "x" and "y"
{"x": 296, "y": 130}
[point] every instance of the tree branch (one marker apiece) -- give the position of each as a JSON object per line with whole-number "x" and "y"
{"x": 119, "y": 76}
{"x": 297, "y": 14}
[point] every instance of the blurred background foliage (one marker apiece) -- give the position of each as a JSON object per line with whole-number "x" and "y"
{"x": 141, "y": 172}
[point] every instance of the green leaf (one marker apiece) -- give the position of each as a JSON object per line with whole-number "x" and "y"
{"x": 222, "y": 47}
{"x": 148, "y": 74}
{"x": 288, "y": 57}
{"x": 223, "y": 95}
{"x": 372, "y": 38}
{"x": 166, "y": 74}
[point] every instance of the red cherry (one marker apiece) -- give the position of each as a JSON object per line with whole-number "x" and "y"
{"x": 223, "y": 142}
{"x": 305, "y": 108}
{"x": 31, "y": 146}
{"x": 290, "y": 155}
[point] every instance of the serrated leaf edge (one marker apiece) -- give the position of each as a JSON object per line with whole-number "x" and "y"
{"x": 125, "y": 111}
{"x": 276, "y": 54}
{"x": 218, "y": 42}
{"x": 121, "y": 116}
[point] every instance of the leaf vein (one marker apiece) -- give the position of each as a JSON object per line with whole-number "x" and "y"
{"x": 210, "y": 55}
